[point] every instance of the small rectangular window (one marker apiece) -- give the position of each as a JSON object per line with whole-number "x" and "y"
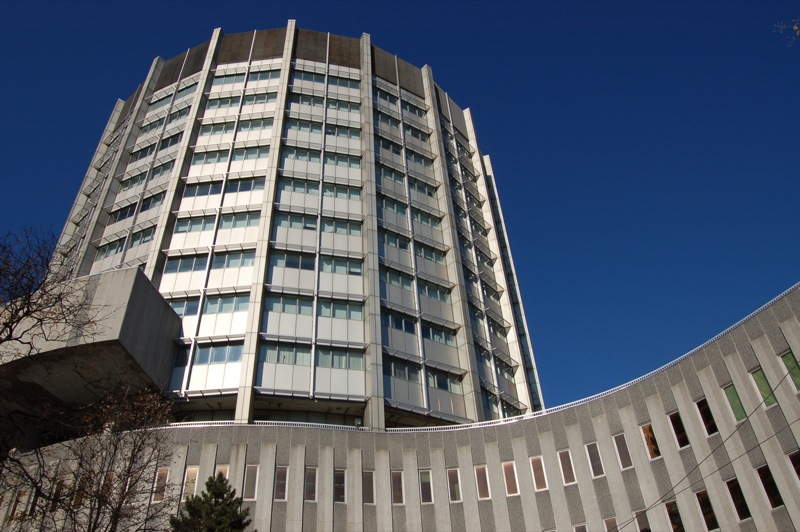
{"x": 650, "y": 442}
{"x": 425, "y": 488}
{"x": 250, "y": 483}
{"x": 397, "y": 487}
{"x": 736, "y": 403}
{"x": 221, "y": 469}
{"x": 280, "y": 483}
{"x": 679, "y": 430}
{"x": 794, "y": 459}
{"x": 339, "y": 485}
{"x": 190, "y": 482}
{"x": 482, "y": 482}
{"x": 579, "y": 528}
{"x": 595, "y": 462}
{"x": 567, "y": 473}
{"x": 763, "y": 387}
{"x": 792, "y": 368}
{"x": 510, "y": 477}
{"x": 642, "y": 523}
{"x": 367, "y": 487}
{"x": 310, "y": 491}
{"x": 623, "y": 454}
{"x": 610, "y": 524}
{"x": 739, "y": 502}
{"x": 454, "y": 485}
{"x": 539, "y": 478}
{"x": 160, "y": 485}
{"x": 770, "y": 487}
{"x": 674, "y": 516}
{"x": 707, "y": 510}
{"x": 707, "y": 416}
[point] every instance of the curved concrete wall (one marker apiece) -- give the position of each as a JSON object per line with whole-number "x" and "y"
{"x": 738, "y": 450}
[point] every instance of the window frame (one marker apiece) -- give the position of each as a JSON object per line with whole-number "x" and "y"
{"x": 280, "y": 471}
{"x": 568, "y": 454}
{"x": 643, "y": 430}
{"x": 485, "y": 474}
{"x": 397, "y": 492}
{"x": 509, "y": 492}
{"x": 247, "y": 469}
{"x": 672, "y": 417}
{"x": 594, "y": 445}
{"x": 540, "y": 460}
{"x": 422, "y": 494}
{"x": 459, "y": 497}
{"x": 703, "y": 418}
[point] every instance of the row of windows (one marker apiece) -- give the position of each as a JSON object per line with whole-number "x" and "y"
{"x": 289, "y": 304}
{"x": 112, "y": 248}
{"x": 173, "y": 117}
{"x": 209, "y": 189}
{"x": 234, "y": 259}
{"x": 128, "y": 211}
{"x": 227, "y": 221}
{"x": 438, "y": 334}
{"x": 391, "y": 205}
{"x": 228, "y": 127}
{"x": 383, "y": 118}
{"x": 312, "y": 188}
{"x": 425, "y": 218}
{"x": 300, "y": 355}
{"x": 304, "y": 261}
{"x": 138, "y": 179}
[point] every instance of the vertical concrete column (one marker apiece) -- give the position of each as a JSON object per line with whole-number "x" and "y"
{"x": 262, "y": 517}
{"x": 354, "y": 491}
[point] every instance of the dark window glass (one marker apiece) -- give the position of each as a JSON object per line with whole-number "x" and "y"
{"x": 679, "y": 430}
{"x": 674, "y": 517}
{"x": 770, "y": 487}
{"x": 707, "y": 417}
{"x": 739, "y": 502}
{"x": 708, "y": 511}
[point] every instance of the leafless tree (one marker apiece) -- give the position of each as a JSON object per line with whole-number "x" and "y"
{"x": 107, "y": 479}
{"x": 38, "y": 301}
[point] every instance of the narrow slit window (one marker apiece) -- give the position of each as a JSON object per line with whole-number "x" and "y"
{"x": 280, "y": 483}
{"x": 567, "y": 473}
{"x": 736, "y": 403}
{"x": 763, "y": 387}
{"x": 310, "y": 491}
{"x": 642, "y": 522}
{"x": 482, "y": 482}
{"x": 397, "y": 487}
{"x": 674, "y": 516}
{"x": 339, "y": 485}
{"x": 190, "y": 482}
{"x": 707, "y": 510}
{"x": 510, "y": 477}
{"x": 425, "y": 487}
{"x": 737, "y": 497}
{"x": 770, "y": 487}
{"x": 679, "y": 430}
{"x": 650, "y": 442}
{"x": 160, "y": 485}
{"x": 250, "y": 483}
{"x": 539, "y": 477}
{"x": 623, "y": 454}
{"x": 792, "y": 368}
{"x": 595, "y": 461}
{"x": 221, "y": 469}
{"x": 707, "y": 416}
{"x": 794, "y": 459}
{"x": 610, "y": 524}
{"x": 454, "y": 485}
{"x": 367, "y": 487}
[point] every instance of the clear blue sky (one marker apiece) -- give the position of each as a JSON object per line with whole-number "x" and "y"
{"x": 646, "y": 153}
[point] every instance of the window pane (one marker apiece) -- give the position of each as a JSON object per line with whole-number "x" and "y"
{"x": 679, "y": 430}
{"x": 510, "y": 477}
{"x": 641, "y": 521}
{"x": 794, "y": 370}
{"x": 739, "y": 502}
{"x": 763, "y": 387}
{"x": 735, "y": 402}
{"x": 367, "y": 488}
{"x": 566, "y": 467}
{"x": 310, "y": 493}
{"x": 250, "y": 476}
{"x": 482, "y": 480}
{"x": 160, "y": 486}
{"x": 650, "y": 441}
{"x": 397, "y": 487}
{"x": 707, "y": 510}
{"x": 280, "y": 483}
{"x": 539, "y": 478}
{"x": 770, "y": 487}
{"x": 707, "y": 416}
{"x": 425, "y": 489}
{"x": 190, "y": 482}
{"x": 610, "y": 524}
{"x": 338, "y": 485}
{"x": 594, "y": 460}
{"x": 453, "y": 485}
{"x": 674, "y": 516}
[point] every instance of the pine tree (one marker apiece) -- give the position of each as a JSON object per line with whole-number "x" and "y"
{"x": 217, "y": 509}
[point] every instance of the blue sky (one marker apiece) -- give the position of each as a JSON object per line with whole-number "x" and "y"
{"x": 646, "y": 153}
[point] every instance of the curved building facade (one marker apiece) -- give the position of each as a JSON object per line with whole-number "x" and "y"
{"x": 319, "y": 214}
{"x": 301, "y": 241}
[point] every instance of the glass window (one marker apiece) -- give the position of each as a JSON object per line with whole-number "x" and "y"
{"x": 454, "y": 485}
{"x": 367, "y": 487}
{"x": 679, "y": 430}
{"x": 567, "y": 473}
{"x": 595, "y": 462}
{"x": 763, "y": 387}
{"x": 510, "y": 477}
{"x": 707, "y": 416}
{"x": 735, "y": 402}
{"x": 482, "y": 482}
{"x": 539, "y": 478}
{"x": 739, "y": 502}
{"x": 425, "y": 488}
{"x": 310, "y": 490}
{"x": 579, "y": 528}
{"x": 397, "y": 487}
{"x": 160, "y": 484}
{"x": 642, "y": 523}
{"x": 770, "y": 487}
{"x": 339, "y": 485}
{"x": 280, "y": 483}
{"x": 707, "y": 510}
{"x": 190, "y": 482}
{"x": 610, "y": 524}
{"x": 792, "y": 368}
{"x": 250, "y": 482}
{"x": 650, "y": 442}
{"x": 674, "y": 516}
